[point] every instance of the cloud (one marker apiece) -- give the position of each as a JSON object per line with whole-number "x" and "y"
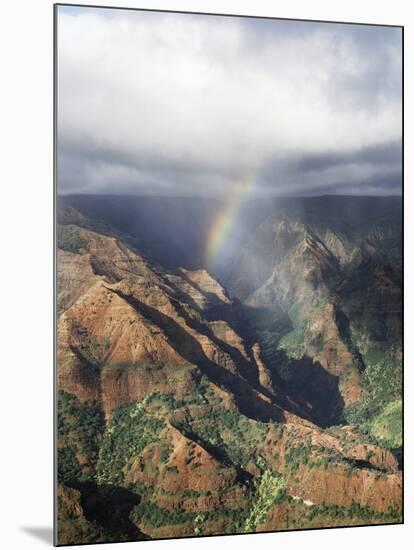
{"x": 185, "y": 104}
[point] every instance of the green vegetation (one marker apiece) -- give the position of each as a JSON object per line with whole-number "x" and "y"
{"x": 136, "y": 426}
{"x": 295, "y": 456}
{"x": 354, "y": 511}
{"x": 147, "y": 512}
{"x": 69, "y": 468}
{"x": 80, "y": 428}
{"x": 93, "y": 349}
{"x": 198, "y": 523}
{"x": 69, "y": 239}
{"x": 377, "y": 335}
{"x": 387, "y": 426}
{"x": 269, "y": 489}
{"x": 379, "y": 413}
{"x": 165, "y": 452}
{"x": 332, "y": 459}
{"x": 293, "y": 343}
{"x": 132, "y": 427}
{"x": 233, "y": 434}
{"x": 194, "y": 495}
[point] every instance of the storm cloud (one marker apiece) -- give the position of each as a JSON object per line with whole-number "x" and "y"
{"x": 179, "y": 104}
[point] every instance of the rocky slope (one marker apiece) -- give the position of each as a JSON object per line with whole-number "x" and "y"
{"x": 174, "y": 416}
{"x": 327, "y": 274}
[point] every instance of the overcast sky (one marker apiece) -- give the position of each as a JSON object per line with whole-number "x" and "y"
{"x": 182, "y": 104}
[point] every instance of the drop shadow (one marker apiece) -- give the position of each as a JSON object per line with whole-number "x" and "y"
{"x": 44, "y": 534}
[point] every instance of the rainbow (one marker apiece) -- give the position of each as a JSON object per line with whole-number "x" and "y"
{"x": 224, "y": 220}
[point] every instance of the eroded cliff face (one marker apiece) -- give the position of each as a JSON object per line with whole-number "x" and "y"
{"x": 335, "y": 486}
{"x": 197, "y": 426}
{"x": 132, "y": 320}
{"x": 330, "y": 290}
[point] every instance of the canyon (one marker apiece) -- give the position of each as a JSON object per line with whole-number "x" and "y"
{"x": 259, "y": 392}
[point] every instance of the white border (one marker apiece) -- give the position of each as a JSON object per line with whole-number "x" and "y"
{"x": 26, "y": 269}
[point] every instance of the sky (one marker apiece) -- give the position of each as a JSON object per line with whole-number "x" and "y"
{"x": 182, "y": 105}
